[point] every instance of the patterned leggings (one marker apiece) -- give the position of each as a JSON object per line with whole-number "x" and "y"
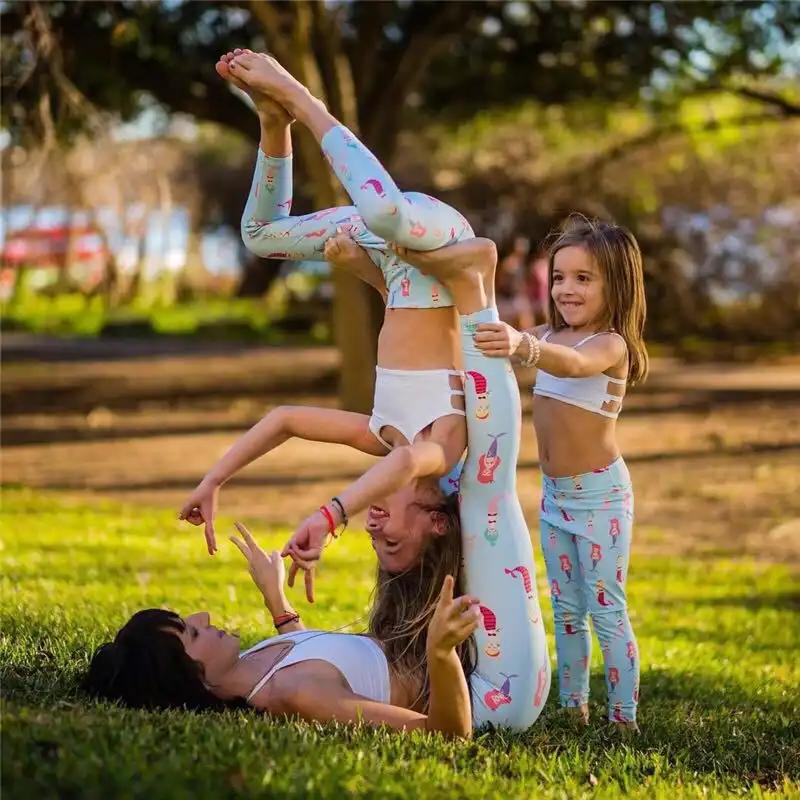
{"x": 512, "y": 679}
{"x": 586, "y": 528}
{"x": 381, "y": 213}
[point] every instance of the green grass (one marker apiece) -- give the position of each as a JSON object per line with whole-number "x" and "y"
{"x": 720, "y": 681}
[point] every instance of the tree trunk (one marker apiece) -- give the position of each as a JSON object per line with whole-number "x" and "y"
{"x": 355, "y": 325}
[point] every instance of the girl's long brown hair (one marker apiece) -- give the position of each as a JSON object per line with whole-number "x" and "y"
{"x": 616, "y": 253}
{"x": 404, "y": 603}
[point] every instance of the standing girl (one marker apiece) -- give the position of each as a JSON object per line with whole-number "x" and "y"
{"x": 587, "y": 354}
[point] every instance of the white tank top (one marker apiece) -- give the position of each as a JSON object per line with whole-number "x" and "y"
{"x": 589, "y": 393}
{"x": 360, "y": 659}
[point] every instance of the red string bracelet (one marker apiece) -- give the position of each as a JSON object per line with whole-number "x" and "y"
{"x": 331, "y": 522}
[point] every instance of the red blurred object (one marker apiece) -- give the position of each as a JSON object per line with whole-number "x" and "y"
{"x": 49, "y": 247}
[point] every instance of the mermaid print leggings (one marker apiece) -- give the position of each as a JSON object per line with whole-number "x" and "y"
{"x": 586, "y": 528}
{"x": 381, "y": 213}
{"x": 512, "y": 680}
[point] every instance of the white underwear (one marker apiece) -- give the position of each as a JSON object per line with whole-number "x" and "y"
{"x": 410, "y": 400}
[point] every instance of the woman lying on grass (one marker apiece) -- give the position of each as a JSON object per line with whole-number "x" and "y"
{"x": 159, "y": 660}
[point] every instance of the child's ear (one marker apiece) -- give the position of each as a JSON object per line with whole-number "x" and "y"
{"x": 439, "y": 520}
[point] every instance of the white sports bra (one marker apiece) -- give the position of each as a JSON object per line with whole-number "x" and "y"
{"x": 360, "y": 659}
{"x": 589, "y": 393}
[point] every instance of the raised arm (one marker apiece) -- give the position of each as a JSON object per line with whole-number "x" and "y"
{"x": 453, "y": 621}
{"x": 280, "y": 424}
{"x": 400, "y": 467}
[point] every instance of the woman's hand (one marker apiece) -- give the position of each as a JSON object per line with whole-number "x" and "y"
{"x": 453, "y": 621}
{"x": 497, "y": 339}
{"x": 305, "y": 549}
{"x": 266, "y": 569}
{"x": 201, "y": 507}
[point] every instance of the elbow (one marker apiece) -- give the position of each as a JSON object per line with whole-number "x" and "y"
{"x": 407, "y": 461}
{"x": 284, "y": 418}
{"x": 487, "y": 253}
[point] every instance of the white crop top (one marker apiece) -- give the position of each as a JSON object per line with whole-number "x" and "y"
{"x": 589, "y": 393}
{"x": 360, "y": 659}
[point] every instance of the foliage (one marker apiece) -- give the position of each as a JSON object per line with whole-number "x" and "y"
{"x": 221, "y": 318}
{"x": 720, "y": 683}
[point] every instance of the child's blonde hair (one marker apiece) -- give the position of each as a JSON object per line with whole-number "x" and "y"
{"x": 616, "y": 253}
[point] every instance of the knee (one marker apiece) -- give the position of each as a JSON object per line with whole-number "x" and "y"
{"x": 383, "y": 216}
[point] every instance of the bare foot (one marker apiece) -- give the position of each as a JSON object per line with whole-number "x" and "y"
{"x": 267, "y": 108}
{"x": 263, "y": 73}
{"x": 629, "y": 728}
{"x": 579, "y": 716}
{"x": 465, "y": 268}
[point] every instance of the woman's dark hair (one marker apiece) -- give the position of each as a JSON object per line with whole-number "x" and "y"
{"x": 146, "y": 666}
{"x": 403, "y": 603}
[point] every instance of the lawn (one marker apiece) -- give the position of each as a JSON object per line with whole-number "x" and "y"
{"x": 720, "y": 681}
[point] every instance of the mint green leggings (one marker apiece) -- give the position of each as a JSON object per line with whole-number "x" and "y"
{"x": 586, "y": 529}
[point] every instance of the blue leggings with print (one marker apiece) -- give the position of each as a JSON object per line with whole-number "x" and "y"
{"x": 586, "y": 528}
{"x": 512, "y": 680}
{"x": 380, "y": 213}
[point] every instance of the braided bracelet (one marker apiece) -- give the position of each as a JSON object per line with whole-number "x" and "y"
{"x": 338, "y": 503}
{"x": 329, "y": 517}
{"x": 284, "y": 619}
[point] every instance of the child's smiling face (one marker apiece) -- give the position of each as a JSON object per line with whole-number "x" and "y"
{"x": 578, "y": 287}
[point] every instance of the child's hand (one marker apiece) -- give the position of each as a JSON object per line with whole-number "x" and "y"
{"x": 266, "y": 569}
{"x": 342, "y": 251}
{"x": 201, "y": 507}
{"x": 497, "y": 339}
{"x": 453, "y": 621}
{"x": 305, "y": 549}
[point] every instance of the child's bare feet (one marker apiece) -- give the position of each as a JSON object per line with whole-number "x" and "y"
{"x": 268, "y": 109}
{"x": 578, "y": 716}
{"x": 343, "y": 253}
{"x": 465, "y": 268}
{"x": 625, "y": 729}
{"x": 263, "y": 73}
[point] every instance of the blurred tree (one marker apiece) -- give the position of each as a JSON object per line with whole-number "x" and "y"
{"x": 379, "y": 64}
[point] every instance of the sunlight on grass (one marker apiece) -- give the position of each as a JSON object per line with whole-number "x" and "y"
{"x": 720, "y": 680}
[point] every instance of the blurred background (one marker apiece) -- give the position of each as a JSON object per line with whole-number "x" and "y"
{"x": 140, "y": 337}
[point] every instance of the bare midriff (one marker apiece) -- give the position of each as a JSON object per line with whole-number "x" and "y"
{"x": 572, "y": 440}
{"x": 420, "y": 338}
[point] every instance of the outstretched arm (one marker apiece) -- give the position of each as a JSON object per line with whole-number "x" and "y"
{"x": 453, "y": 621}
{"x": 280, "y": 424}
{"x": 500, "y": 340}
{"x": 400, "y": 467}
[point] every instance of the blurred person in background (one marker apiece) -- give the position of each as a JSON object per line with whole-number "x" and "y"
{"x": 513, "y": 304}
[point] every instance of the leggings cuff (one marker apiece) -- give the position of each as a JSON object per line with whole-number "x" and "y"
{"x": 573, "y": 701}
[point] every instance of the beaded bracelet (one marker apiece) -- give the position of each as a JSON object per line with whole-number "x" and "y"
{"x": 338, "y": 503}
{"x": 534, "y": 350}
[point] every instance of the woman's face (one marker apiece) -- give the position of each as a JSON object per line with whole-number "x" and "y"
{"x": 214, "y": 648}
{"x": 578, "y": 287}
{"x": 399, "y": 527}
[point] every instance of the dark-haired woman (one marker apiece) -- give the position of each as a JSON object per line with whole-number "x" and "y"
{"x": 161, "y": 660}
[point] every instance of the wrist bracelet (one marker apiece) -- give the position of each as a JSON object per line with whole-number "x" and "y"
{"x": 285, "y": 619}
{"x": 534, "y": 350}
{"x": 338, "y": 503}
{"x": 331, "y": 522}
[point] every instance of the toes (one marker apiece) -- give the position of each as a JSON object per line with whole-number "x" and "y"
{"x": 246, "y": 59}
